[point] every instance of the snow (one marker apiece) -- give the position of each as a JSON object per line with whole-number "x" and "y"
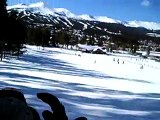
{"x": 17, "y": 6}
{"x": 86, "y": 17}
{"x": 64, "y": 12}
{"x": 32, "y": 5}
{"x": 107, "y": 20}
{"x": 148, "y": 25}
{"x": 38, "y": 4}
{"x": 98, "y": 18}
{"x": 98, "y": 90}
{"x": 85, "y": 25}
{"x": 68, "y": 21}
{"x": 153, "y": 34}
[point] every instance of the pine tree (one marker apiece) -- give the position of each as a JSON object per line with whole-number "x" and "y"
{"x": 12, "y": 32}
{"x": 3, "y": 10}
{"x": 3, "y": 19}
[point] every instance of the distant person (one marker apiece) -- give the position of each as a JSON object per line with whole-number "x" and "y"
{"x": 114, "y": 59}
{"x": 118, "y": 61}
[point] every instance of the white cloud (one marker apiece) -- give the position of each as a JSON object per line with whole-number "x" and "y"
{"x": 145, "y": 3}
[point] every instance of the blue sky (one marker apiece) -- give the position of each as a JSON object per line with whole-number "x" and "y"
{"x": 125, "y": 10}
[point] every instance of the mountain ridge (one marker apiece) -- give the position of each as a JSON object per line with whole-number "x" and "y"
{"x": 39, "y": 7}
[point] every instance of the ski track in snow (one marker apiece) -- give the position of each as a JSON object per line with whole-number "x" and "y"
{"x": 88, "y": 85}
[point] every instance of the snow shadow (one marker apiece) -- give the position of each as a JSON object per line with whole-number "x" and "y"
{"x": 112, "y": 104}
{"x": 80, "y": 100}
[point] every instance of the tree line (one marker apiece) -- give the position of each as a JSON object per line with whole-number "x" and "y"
{"x": 50, "y": 36}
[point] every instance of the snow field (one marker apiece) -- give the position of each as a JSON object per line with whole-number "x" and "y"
{"x": 88, "y": 85}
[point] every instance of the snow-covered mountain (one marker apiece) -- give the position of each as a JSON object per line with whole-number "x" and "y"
{"x": 40, "y": 8}
{"x": 37, "y": 14}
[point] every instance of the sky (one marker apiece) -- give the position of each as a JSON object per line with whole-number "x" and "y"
{"x": 124, "y": 10}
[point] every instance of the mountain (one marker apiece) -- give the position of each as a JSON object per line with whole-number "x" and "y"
{"x": 40, "y": 8}
{"x": 60, "y": 18}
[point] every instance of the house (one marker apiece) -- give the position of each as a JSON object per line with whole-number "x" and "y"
{"x": 99, "y": 51}
{"x": 91, "y": 49}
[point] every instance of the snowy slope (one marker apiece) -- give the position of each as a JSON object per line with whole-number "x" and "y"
{"x": 62, "y": 12}
{"x": 88, "y": 85}
{"x": 148, "y": 25}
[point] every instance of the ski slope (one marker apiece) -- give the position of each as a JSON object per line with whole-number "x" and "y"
{"x": 90, "y": 85}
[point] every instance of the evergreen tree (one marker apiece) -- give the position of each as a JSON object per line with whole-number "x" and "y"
{"x": 3, "y": 19}
{"x": 3, "y": 10}
{"x": 12, "y": 32}
{"x": 45, "y": 37}
{"x": 16, "y": 35}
